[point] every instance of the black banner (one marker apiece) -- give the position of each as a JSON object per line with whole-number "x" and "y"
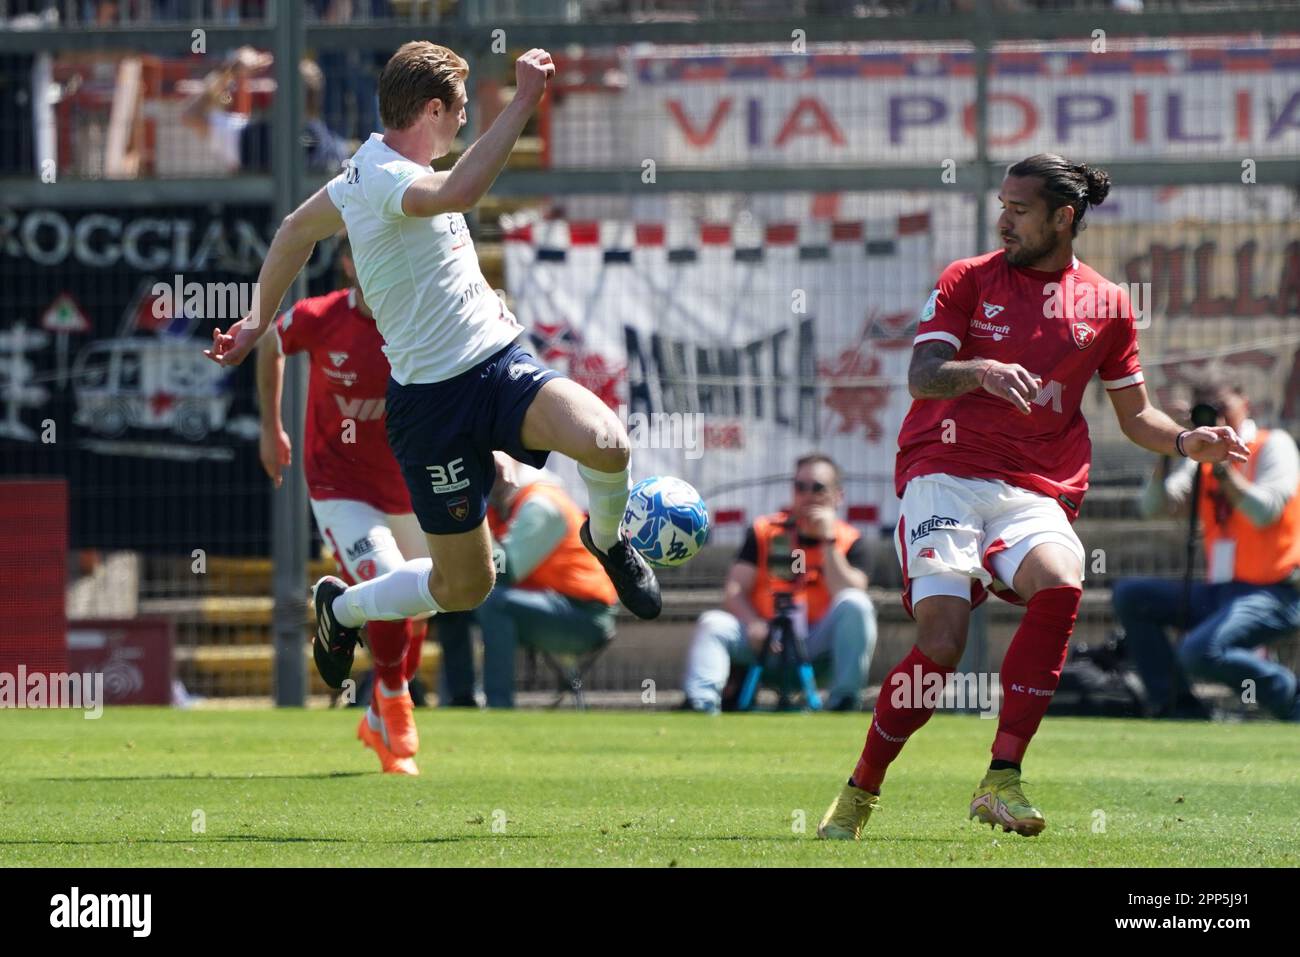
{"x": 106, "y": 313}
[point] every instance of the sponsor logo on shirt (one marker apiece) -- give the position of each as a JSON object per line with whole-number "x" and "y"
{"x": 991, "y": 310}
{"x": 1050, "y": 393}
{"x": 988, "y": 330}
{"x": 930, "y": 524}
{"x": 363, "y": 410}
{"x": 366, "y": 570}
{"x": 338, "y": 358}
{"x": 344, "y": 379}
{"x": 927, "y": 553}
{"x": 459, "y": 230}
{"x": 1083, "y": 334}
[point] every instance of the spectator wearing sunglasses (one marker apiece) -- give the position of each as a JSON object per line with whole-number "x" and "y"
{"x": 821, "y": 561}
{"x": 1250, "y": 523}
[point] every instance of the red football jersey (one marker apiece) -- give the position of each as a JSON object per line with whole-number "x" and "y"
{"x": 348, "y": 382}
{"x": 1061, "y": 326}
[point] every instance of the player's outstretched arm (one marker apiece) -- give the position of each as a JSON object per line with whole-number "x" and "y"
{"x": 1147, "y": 426}
{"x": 469, "y": 180}
{"x": 275, "y": 448}
{"x": 316, "y": 219}
{"x": 935, "y": 374}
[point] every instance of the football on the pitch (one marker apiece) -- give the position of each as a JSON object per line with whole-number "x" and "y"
{"x": 666, "y": 520}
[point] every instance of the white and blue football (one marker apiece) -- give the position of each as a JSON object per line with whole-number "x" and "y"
{"x": 666, "y": 520}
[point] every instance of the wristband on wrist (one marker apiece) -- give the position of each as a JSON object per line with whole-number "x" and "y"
{"x": 986, "y": 373}
{"x": 1178, "y": 443}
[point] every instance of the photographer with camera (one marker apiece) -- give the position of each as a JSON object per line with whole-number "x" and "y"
{"x": 1250, "y": 516}
{"x": 820, "y": 562}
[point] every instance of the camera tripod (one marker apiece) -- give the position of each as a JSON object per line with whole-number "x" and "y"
{"x": 795, "y": 665}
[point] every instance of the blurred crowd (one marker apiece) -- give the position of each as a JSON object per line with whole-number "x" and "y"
{"x": 105, "y": 12}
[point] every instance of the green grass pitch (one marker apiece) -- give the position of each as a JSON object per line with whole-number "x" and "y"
{"x": 658, "y": 789}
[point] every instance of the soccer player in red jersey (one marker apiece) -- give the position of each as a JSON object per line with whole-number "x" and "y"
{"x": 992, "y": 467}
{"x": 358, "y": 495}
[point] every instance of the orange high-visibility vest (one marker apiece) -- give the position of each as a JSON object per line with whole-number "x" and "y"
{"x": 570, "y": 570}
{"x": 1263, "y": 556}
{"x": 778, "y": 571}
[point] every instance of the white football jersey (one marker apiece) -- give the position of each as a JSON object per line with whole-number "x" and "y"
{"x": 420, "y": 275}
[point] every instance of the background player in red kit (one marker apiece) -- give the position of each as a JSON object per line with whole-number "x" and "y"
{"x": 992, "y": 467}
{"x": 357, "y": 492}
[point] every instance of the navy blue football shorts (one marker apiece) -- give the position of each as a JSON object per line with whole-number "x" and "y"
{"x": 443, "y": 435}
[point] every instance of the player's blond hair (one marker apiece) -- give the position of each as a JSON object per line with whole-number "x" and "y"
{"x": 418, "y": 72}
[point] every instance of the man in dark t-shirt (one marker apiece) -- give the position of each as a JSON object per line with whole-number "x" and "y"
{"x": 821, "y": 563}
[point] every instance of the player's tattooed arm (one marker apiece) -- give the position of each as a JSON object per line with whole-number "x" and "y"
{"x": 935, "y": 374}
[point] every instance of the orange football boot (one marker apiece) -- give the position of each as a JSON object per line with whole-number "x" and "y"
{"x": 398, "y": 715}
{"x": 391, "y": 763}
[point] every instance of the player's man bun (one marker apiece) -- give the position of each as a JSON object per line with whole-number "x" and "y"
{"x": 1066, "y": 184}
{"x": 1098, "y": 181}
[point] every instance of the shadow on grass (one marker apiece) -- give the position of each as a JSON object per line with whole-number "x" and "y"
{"x": 264, "y": 839}
{"x": 324, "y": 775}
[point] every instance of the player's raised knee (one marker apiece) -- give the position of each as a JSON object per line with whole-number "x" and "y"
{"x": 611, "y": 450}
{"x": 465, "y": 591}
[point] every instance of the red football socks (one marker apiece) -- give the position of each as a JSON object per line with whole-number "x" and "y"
{"x": 387, "y": 641}
{"x": 416, "y": 631}
{"x": 1032, "y": 668}
{"x": 900, "y": 713}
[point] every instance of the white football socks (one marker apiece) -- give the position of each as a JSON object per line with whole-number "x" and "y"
{"x": 606, "y": 500}
{"x": 402, "y": 593}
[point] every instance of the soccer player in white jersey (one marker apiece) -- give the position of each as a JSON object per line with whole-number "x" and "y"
{"x": 461, "y": 388}
{"x": 993, "y": 462}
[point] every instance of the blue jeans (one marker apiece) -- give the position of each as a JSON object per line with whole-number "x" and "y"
{"x": 545, "y": 620}
{"x": 1228, "y": 620}
{"x": 846, "y": 638}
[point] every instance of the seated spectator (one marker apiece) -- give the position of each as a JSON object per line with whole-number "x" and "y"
{"x": 351, "y": 92}
{"x": 1250, "y": 521}
{"x": 550, "y": 594}
{"x": 243, "y": 141}
{"x": 821, "y": 562}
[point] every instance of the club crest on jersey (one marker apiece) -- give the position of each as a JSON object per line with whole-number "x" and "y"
{"x": 927, "y": 553}
{"x": 991, "y": 310}
{"x": 338, "y": 358}
{"x": 1083, "y": 334}
{"x": 458, "y": 508}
